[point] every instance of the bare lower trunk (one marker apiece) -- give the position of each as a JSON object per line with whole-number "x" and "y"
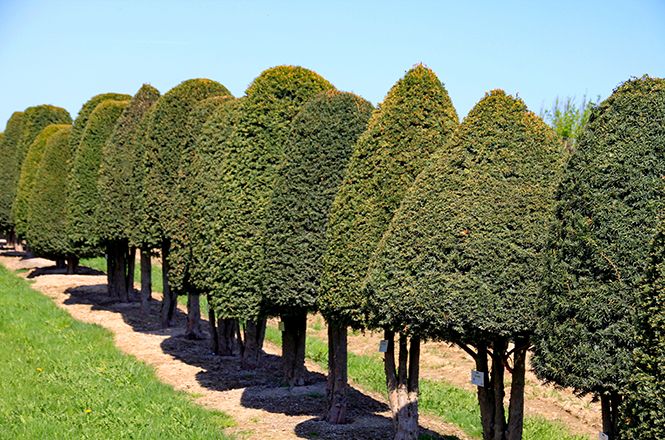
{"x": 146, "y": 279}
{"x": 212, "y": 322}
{"x": 60, "y": 263}
{"x": 194, "y": 330}
{"x": 609, "y": 403}
{"x": 131, "y": 265}
{"x": 227, "y": 335}
{"x": 337, "y": 385}
{"x": 485, "y": 393}
{"x": 169, "y": 299}
{"x": 72, "y": 265}
{"x": 117, "y": 264}
{"x": 516, "y": 408}
{"x": 253, "y": 343}
{"x": 293, "y": 348}
{"x": 500, "y": 346}
{"x": 403, "y": 384}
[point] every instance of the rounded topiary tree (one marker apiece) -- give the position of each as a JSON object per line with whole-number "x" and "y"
{"x": 8, "y": 168}
{"x": 26, "y": 181}
{"x": 645, "y": 396}
{"x": 181, "y": 252}
{"x": 608, "y": 207}
{"x": 47, "y": 233}
{"x": 82, "y": 189}
{"x": 167, "y": 135}
{"x": 255, "y": 150}
{"x": 461, "y": 259}
{"x": 415, "y": 119}
{"x": 81, "y": 121}
{"x": 319, "y": 145}
{"x": 116, "y": 192}
{"x": 206, "y": 189}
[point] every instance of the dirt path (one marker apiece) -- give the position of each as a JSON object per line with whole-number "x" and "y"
{"x": 261, "y": 408}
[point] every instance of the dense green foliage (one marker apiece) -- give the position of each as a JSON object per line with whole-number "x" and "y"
{"x": 166, "y": 136}
{"x": 82, "y": 190}
{"x": 81, "y": 121}
{"x": 643, "y": 409}
{"x": 415, "y": 119}
{"x": 65, "y": 379}
{"x": 461, "y": 258}
{"x": 12, "y": 135}
{"x": 608, "y": 207}
{"x": 254, "y": 151}
{"x": 319, "y": 146}
{"x": 206, "y": 187}
{"x": 26, "y": 181}
{"x": 47, "y": 232}
{"x": 180, "y": 257}
{"x": 117, "y": 169}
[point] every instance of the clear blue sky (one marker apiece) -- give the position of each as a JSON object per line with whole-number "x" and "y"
{"x": 63, "y": 52}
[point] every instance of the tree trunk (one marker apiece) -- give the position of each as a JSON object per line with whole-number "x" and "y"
{"x": 391, "y": 374}
{"x": 499, "y": 350}
{"x": 609, "y": 403}
{"x": 293, "y": 348}
{"x": 116, "y": 254}
{"x": 516, "y": 408}
{"x": 169, "y": 299}
{"x": 131, "y": 265}
{"x": 194, "y": 330}
{"x": 253, "y": 343}
{"x": 60, "y": 263}
{"x": 402, "y": 383}
{"x": 72, "y": 265}
{"x": 146, "y": 278}
{"x": 337, "y": 385}
{"x": 227, "y": 336}
{"x": 485, "y": 393}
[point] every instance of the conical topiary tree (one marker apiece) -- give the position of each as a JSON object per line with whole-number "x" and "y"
{"x": 82, "y": 189}
{"x": 26, "y": 181}
{"x": 116, "y": 192}
{"x": 461, "y": 259}
{"x": 320, "y": 143}
{"x": 166, "y": 136}
{"x": 255, "y": 151}
{"x": 207, "y": 191}
{"x": 8, "y": 168}
{"x": 645, "y": 396}
{"x": 34, "y": 119}
{"x": 415, "y": 119}
{"x": 181, "y": 252}
{"x": 608, "y": 208}
{"x": 46, "y": 232}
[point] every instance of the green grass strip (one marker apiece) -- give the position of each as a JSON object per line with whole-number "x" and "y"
{"x": 452, "y": 404}
{"x": 65, "y": 379}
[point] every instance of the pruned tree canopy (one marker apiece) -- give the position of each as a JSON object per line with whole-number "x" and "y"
{"x": 81, "y": 121}
{"x": 8, "y": 168}
{"x": 319, "y": 146}
{"x": 415, "y": 119}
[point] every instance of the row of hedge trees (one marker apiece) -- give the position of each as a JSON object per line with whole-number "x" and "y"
{"x": 299, "y": 198}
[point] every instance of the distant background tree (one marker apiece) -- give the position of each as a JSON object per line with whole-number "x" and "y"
{"x": 47, "y": 226}
{"x": 255, "y": 151}
{"x": 608, "y": 207}
{"x": 568, "y": 118}
{"x": 415, "y": 119}
{"x": 320, "y": 143}
{"x": 165, "y": 138}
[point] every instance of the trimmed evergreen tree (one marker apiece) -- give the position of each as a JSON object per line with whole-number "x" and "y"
{"x": 461, "y": 260}
{"x": 81, "y": 121}
{"x": 320, "y": 143}
{"x": 206, "y": 189}
{"x": 254, "y": 151}
{"x": 645, "y": 396}
{"x": 116, "y": 173}
{"x": 166, "y": 136}
{"x": 415, "y": 119}
{"x": 47, "y": 232}
{"x": 180, "y": 256}
{"x": 82, "y": 190}
{"x": 26, "y": 182}
{"x": 608, "y": 208}
{"x": 8, "y": 168}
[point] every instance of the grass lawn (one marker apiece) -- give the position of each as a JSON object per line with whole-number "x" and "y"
{"x": 66, "y": 379}
{"x": 452, "y": 404}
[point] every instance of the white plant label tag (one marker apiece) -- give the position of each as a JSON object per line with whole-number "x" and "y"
{"x": 280, "y": 326}
{"x": 603, "y": 436}
{"x": 478, "y": 378}
{"x": 383, "y": 346}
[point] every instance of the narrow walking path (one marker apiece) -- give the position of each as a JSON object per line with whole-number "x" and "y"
{"x": 261, "y": 408}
